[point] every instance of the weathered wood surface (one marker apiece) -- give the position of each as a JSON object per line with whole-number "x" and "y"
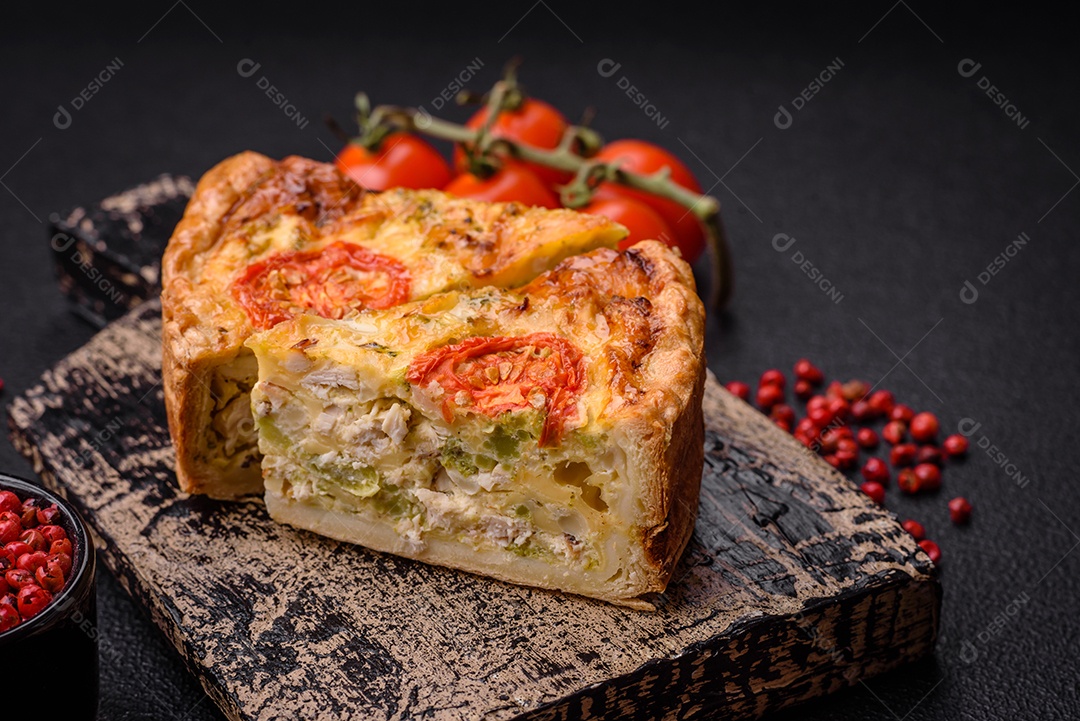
{"x": 794, "y": 585}
{"x": 108, "y": 255}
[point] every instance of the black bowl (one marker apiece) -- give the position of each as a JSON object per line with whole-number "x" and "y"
{"x": 57, "y": 649}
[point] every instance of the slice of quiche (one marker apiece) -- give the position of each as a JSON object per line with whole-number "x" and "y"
{"x": 549, "y": 435}
{"x": 263, "y": 241}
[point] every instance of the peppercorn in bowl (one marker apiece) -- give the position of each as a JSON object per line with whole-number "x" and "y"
{"x": 48, "y": 611}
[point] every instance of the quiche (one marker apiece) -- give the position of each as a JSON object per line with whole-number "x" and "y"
{"x": 549, "y": 435}
{"x": 263, "y": 241}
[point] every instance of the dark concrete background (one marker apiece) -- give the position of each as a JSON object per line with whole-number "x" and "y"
{"x": 899, "y": 181}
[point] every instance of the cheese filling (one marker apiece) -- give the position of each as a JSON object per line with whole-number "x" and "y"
{"x": 332, "y": 442}
{"x": 229, "y": 439}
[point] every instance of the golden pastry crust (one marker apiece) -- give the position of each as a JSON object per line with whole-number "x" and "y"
{"x": 190, "y": 348}
{"x": 250, "y": 210}
{"x": 658, "y": 409}
{"x": 639, "y": 325}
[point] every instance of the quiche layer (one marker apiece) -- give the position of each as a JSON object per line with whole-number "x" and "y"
{"x": 549, "y": 435}
{"x": 263, "y": 240}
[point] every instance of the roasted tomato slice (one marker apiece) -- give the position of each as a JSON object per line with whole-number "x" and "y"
{"x": 330, "y": 281}
{"x": 499, "y": 374}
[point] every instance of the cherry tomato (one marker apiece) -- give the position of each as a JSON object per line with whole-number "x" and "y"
{"x": 500, "y": 374}
{"x": 535, "y": 123}
{"x": 512, "y": 182}
{"x": 643, "y": 222}
{"x": 637, "y": 156}
{"x": 330, "y": 281}
{"x": 402, "y": 161}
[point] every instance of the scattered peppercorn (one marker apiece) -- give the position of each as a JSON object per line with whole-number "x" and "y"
{"x": 959, "y": 510}
{"x": 846, "y": 459}
{"x": 854, "y": 390}
{"x": 862, "y": 412}
{"x": 839, "y": 408}
{"x": 901, "y": 412}
{"x": 867, "y": 438}
{"x": 829, "y": 440}
{"x": 769, "y": 395}
{"x": 955, "y": 445}
{"x": 874, "y": 490}
{"x": 929, "y": 476}
{"x": 835, "y": 427}
{"x": 803, "y": 389}
{"x": 907, "y": 481}
{"x": 807, "y": 371}
{"x": 783, "y": 412}
{"x": 929, "y": 454}
{"x": 772, "y": 377}
{"x": 819, "y": 414}
{"x": 924, "y": 427}
{"x": 932, "y": 550}
{"x": 875, "y": 470}
{"x": 915, "y": 529}
{"x": 882, "y": 401}
{"x": 902, "y": 455}
{"x": 739, "y": 390}
{"x": 894, "y": 432}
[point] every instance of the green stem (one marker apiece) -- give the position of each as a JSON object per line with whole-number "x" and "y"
{"x": 588, "y": 174}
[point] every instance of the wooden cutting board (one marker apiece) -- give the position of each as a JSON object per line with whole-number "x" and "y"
{"x": 794, "y": 585}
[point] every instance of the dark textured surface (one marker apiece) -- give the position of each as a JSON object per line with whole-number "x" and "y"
{"x": 794, "y": 585}
{"x": 900, "y": 181}
{"x": 108, "y": 253}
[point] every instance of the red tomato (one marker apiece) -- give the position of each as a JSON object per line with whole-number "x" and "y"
{"x": 402, "y": 161}
{"x": 643, "y": 222}
{"x": 512, "y": 182}
{"x": 535, "y": 123}
{"x": 637, "y": 156}
{"x": 330, "y": 281}
{"x": 500, "y": 374}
